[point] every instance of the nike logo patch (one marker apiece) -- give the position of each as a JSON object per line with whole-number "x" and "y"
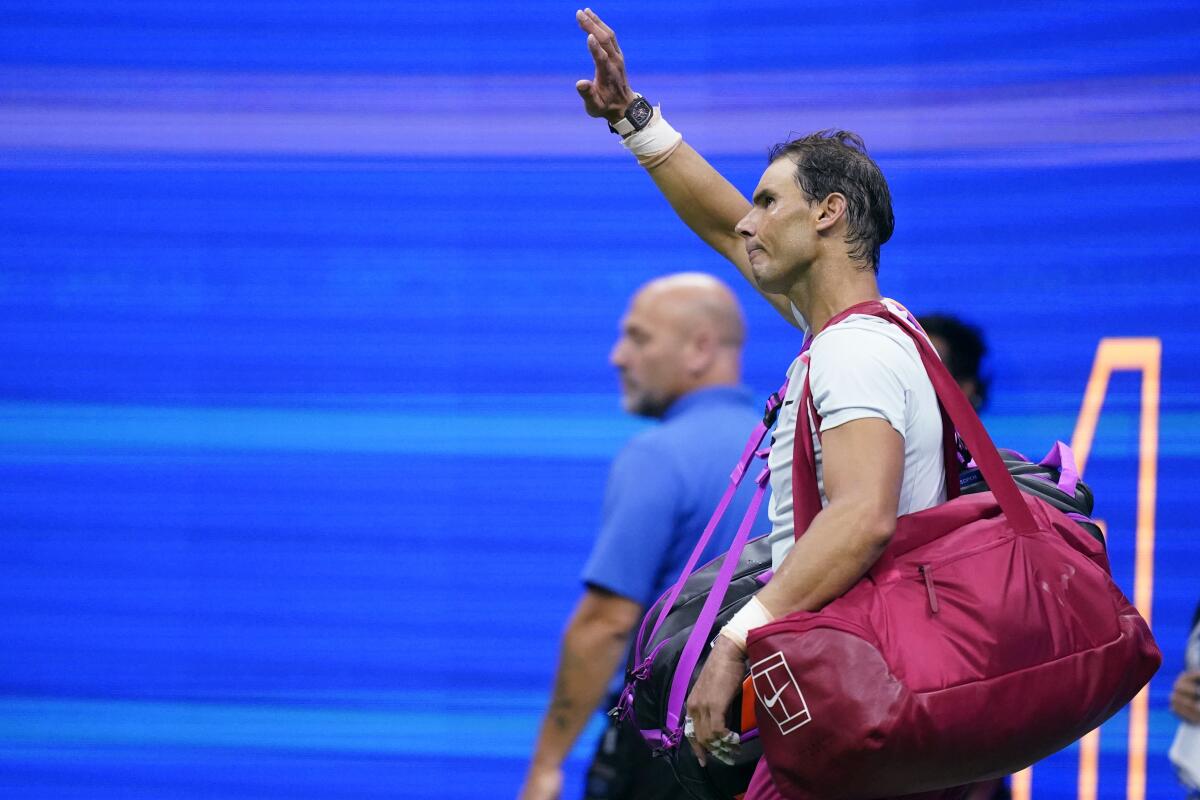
{"x": 775, "y": 697}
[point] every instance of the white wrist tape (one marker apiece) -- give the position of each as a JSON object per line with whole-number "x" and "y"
{"x": 752, "y": 615}
{"x": 657, "y": 136}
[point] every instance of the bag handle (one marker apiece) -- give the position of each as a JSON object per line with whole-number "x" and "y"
{"x": 954, "y": 404}
{"x": 1062, "y": 458}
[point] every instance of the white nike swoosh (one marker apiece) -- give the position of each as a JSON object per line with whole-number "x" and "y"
{"x": 775, "y": 699}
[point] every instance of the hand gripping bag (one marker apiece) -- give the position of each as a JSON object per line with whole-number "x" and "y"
{"x": 989, "y": 635}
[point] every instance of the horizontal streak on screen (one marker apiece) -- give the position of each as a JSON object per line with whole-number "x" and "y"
{"x": 1041, "y": 122}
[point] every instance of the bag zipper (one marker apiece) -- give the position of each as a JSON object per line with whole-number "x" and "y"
{"x": 926, "y": 573}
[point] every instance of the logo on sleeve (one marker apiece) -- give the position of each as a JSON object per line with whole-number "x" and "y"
{"x": 779, "y": 693}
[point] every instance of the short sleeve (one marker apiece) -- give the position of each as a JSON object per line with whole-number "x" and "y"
{"x": 641, "y": 510}
{"x": 856, "y": 374}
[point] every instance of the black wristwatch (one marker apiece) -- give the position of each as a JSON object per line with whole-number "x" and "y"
{"x": 637, "y": 116}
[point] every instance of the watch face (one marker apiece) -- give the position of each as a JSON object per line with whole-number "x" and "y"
{"x": 639, "y": 112}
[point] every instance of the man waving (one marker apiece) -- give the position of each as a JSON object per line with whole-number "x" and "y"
{"x": 809, "y": 242}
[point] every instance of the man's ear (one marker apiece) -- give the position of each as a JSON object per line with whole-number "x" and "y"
{"x": 700, "y": 352}
{"x": 830, "y": 210}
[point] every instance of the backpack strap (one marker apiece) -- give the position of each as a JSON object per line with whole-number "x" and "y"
{"x": 749, "y": 453}
{"x": 701, "y": 633}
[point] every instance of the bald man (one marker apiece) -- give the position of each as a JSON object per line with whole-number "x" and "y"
{"x": 678, "y": 355}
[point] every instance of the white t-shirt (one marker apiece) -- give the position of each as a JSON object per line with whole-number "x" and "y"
{"x": 863, "y": 367}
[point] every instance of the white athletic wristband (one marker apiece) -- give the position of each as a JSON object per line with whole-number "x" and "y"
{"x": 752, "y": 615}
{"x": 657, "y": 136}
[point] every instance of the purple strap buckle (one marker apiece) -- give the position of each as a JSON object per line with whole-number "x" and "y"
{"x": 765, "y": 476}
{"x": 624, "y": 708}
{"x": 669, "y": 741}
{"x": 774, "y": 403}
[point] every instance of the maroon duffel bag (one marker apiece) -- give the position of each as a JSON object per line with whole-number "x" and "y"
{"x": 988, "y": 636}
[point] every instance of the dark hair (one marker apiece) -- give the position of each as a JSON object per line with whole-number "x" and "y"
{"x": 836, "y": 161}
{"x": 966, "y": 349}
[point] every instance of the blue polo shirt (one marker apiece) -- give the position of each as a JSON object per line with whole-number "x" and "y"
{"x": 662, "y": 489}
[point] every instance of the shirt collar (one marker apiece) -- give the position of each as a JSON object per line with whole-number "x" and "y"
{"x": 800, "y": 320}
{"x": 708, "y": 396}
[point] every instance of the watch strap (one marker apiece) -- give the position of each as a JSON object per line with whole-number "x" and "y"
{"x": 622, "y": 126}
{"x": 626, "y": 125}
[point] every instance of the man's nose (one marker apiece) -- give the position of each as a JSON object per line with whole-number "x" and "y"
{"x": 616, "y": 356}
{"x": 745, "y": 225}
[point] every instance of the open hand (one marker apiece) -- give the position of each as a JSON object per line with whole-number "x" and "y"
{"x": 607, "y": 94}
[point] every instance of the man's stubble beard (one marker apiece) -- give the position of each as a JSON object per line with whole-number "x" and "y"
{"x": 645, "y": 404}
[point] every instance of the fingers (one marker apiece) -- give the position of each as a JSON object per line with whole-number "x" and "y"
{"x": 697, "y": 732}
{"x": 608, "y": 92}
{"x": 599, "y": 54}
{"x": 591, "y": 103}
{"x": 590, "y": 22}
{"x": 708, "y": 736}
{"x": 610, "y": 72}
{"x": 592, "y": 25}
{"x": 726, "y": 749}
{"x": 717, "y": 743}
{"x": 608, "y": 42}
{"x": 700, "y": 753}
{"x": 1185, "y": 697}
{"x": 596, "y": 19}
{"x": 1186, "y": 709}
{"x": 708, "y": 724}
{"x": 607, "y": 32}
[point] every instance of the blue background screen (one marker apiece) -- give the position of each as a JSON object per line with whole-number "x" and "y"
{"x": 305, "y": 410}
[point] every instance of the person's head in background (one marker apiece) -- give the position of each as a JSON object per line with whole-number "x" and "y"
{"x": 681, "y": 333}
{"x": 962, "y": 348}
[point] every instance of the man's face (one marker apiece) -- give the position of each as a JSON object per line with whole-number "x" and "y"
{"x": 649, "y": 356}
{"x": 778, "y": 231}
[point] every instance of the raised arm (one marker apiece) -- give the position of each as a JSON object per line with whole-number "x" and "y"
{"x": 709, "y": 205}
